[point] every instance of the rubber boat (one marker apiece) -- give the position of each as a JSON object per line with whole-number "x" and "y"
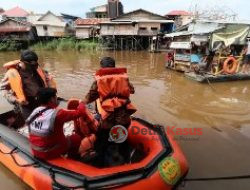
{"x": 162, "y": 167}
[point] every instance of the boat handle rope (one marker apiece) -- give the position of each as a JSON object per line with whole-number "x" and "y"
{"x": 15, "y": 150}
{"x": 34, "y": 164}
{"x": 11, "y": 152}
{"x": 61, "y": 186}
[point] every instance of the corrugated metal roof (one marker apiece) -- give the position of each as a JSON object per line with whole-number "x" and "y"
{"x": 175, "y": 34}
{"x": 14, "y": 29}
{"x": 139, "y": 10}
{"x": 49, "y": 12}
{"x": 90, "y": 21}
{"x": 19, "y": 27}
{"x": 180, "y": 45}
{"x": 198, "y": 28}
{"x": 144, "y": 20}
{"x": 17, "y": 21}
{"x": 137, "y": 21}
{"x": 59, "y": 23}
{"x": 16, "y": 12}
{"x": 244, "y": 22}
{"x": 49, "y": 23}
{"x": 204, "y": 28}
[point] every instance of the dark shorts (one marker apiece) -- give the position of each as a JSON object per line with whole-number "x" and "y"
{"x": 246, "y": 59}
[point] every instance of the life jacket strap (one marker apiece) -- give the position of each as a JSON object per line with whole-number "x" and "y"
{"x": 29, "y": 121}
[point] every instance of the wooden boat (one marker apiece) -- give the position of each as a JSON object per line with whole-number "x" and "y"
{"x": 207, "y": 77}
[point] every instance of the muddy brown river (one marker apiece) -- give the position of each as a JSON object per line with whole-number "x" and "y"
{"x": 165, "y": 97}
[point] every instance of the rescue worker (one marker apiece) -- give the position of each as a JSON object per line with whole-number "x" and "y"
{"x": 111, "y": 90}
{"x": 22, "y": 81}
{"x": 86, "y": 127}
{"x": 45, "y": 124}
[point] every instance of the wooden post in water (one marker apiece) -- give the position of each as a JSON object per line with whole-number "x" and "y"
{"x": 121, "y": 43}
{"x": 132, "y": 43}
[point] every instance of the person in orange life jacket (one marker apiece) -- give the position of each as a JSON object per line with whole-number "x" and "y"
{"x": 45, "y": 124}
{"x": 22, "y": 81}
{"x": 111, "y": 91}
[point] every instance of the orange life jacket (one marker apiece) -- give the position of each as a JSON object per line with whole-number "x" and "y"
{"x": 114, "y": 91}
{"x": 15, "y": 80}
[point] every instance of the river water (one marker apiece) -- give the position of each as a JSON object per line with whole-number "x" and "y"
{"x": 165, "y": 97}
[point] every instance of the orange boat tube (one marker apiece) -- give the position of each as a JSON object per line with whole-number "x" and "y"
{"x": 162, "y": 167}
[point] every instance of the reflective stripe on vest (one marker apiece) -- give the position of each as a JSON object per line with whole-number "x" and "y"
{"x": 49, "y": 148}
{"x": 45, "y": 149}
{"x": 43, "y": 125}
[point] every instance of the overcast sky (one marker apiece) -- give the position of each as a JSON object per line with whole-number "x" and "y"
{"x": 80, "y": 7}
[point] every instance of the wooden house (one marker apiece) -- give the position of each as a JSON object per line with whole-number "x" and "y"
{"x": 139, "y": 27}
{"x": 89, "y": 27}
{"x": 11, "y": 29}
{"x": 50, "y": 25}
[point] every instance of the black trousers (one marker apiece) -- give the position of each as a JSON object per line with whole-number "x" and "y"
{"x": 110, "y": 153}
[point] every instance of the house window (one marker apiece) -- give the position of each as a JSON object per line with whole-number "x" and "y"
{"x": 142, "y": 28}
{"x": 154, "y": 28}
{"x": 45, "y": 28}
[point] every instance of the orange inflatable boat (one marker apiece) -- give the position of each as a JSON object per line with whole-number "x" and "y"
{"x": 162, "y": 167}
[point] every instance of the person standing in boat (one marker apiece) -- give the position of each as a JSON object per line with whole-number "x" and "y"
{"x": 246, "y": 58}
{"x": 46, "y": 123}
{"x": 111, "y": 90}
{"x": 22, "y": 81}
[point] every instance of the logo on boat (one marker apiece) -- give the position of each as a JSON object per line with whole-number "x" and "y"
{"x": 118, "y": 134}
{"x": 169, "y": 130}
{"x": 169, "y": 170}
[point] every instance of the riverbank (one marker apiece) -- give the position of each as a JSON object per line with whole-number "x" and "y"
{"x": 66, "y": 44}
{"x": 10, "y": 46}
{"x": 55, "y": 44}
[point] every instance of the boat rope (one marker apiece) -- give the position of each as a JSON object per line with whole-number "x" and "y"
{"x": 52, "y": 172}
{"x": 208, "y": 81}
{"x": 11, "y": 152}
{"x": 34, "y": 164}
{"x": 15, "y": 150}
{"x": 218, "y": 178}
{"x": 61, "y": 186}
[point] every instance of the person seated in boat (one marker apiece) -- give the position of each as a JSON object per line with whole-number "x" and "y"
{"x": 22, "y": 81}
{"x": 46, "y": 134}
{"x": 196, "y": 60}
{"x": 111, "y": 90}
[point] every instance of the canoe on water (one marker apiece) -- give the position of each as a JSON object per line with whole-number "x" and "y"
{"x": 206, "y": 77}
{"x": 162, "y": 167}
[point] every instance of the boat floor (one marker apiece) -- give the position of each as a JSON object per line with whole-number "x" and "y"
{"x": 203, "y": 78}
